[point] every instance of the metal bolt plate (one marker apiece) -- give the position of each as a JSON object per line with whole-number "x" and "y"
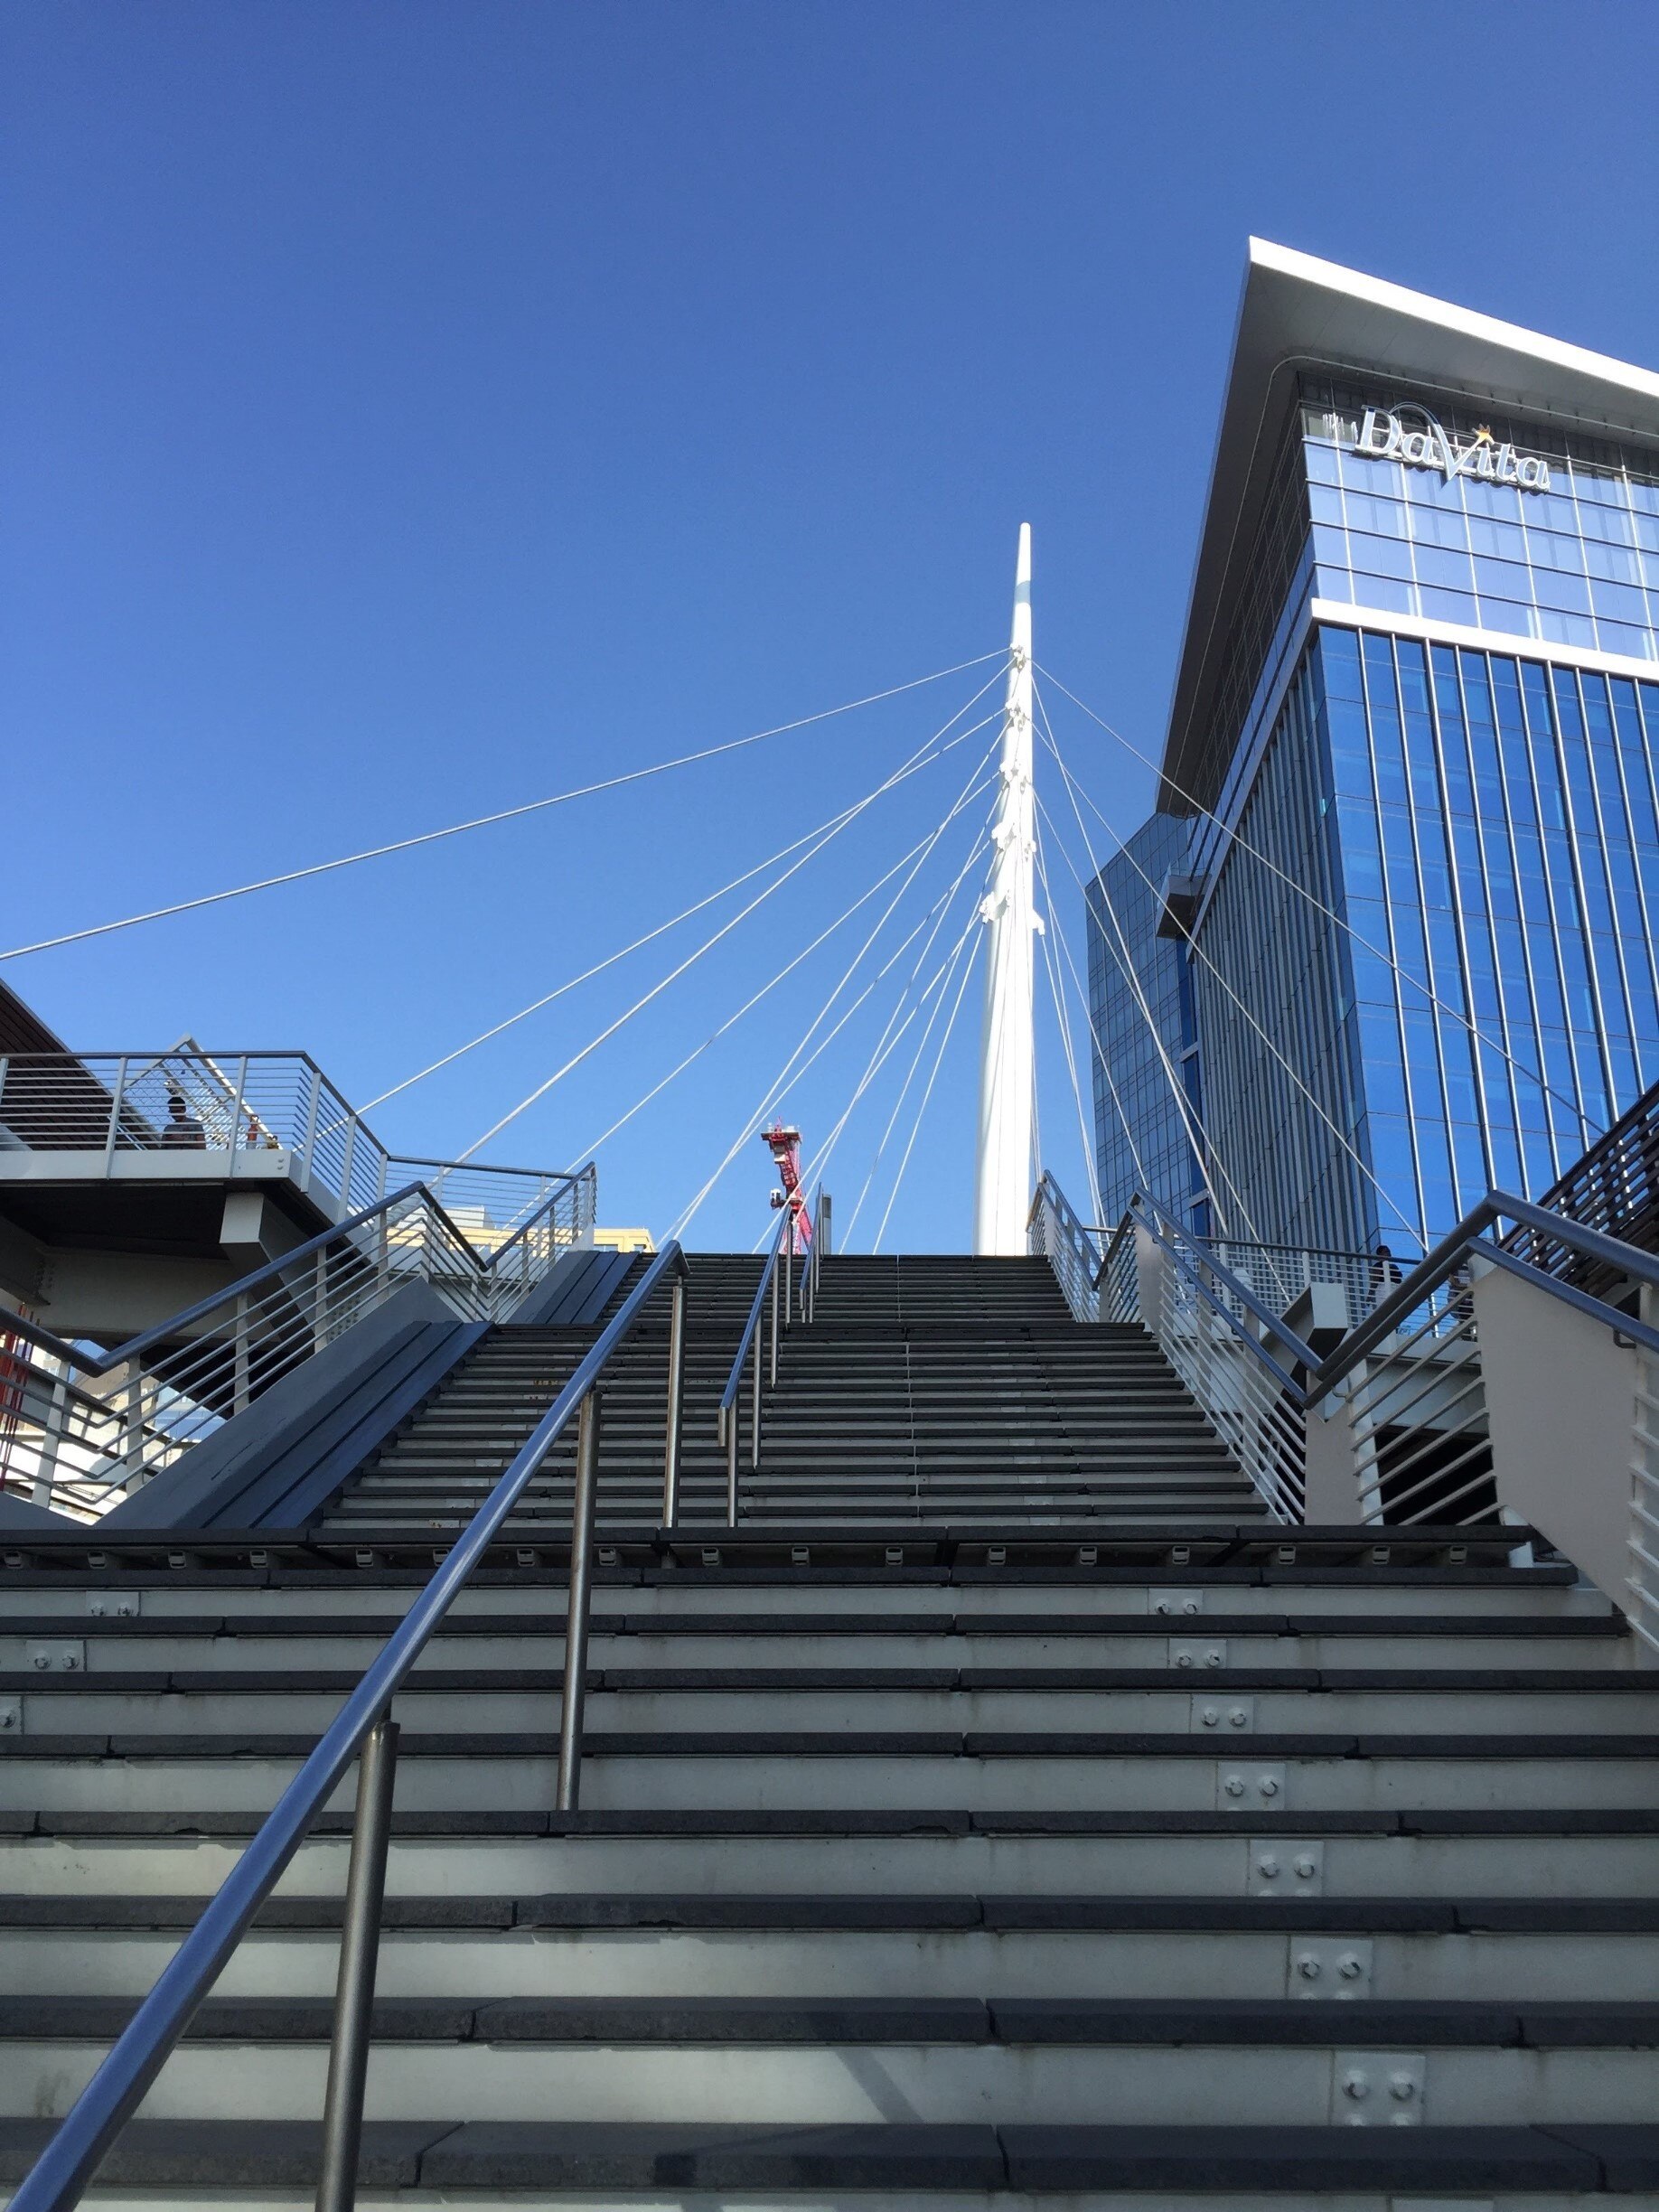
{"x": 1222, "y": 1716}
{"x": 114, "y": 1604}
{"x": 56, "y": 1655}
{"x": 1175, "y": 1604}
{"x": 11, "y": 1716}
{"x": 1188, "y": 1652}
{"x": 1249, "y": 1785}
{"x": 1328, "y": 1966}
{"x": 1279, "y": 1867}
{"x": 1378, "y": 2088}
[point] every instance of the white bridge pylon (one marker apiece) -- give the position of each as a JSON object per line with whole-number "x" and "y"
{"x": 1002, "y": 1161}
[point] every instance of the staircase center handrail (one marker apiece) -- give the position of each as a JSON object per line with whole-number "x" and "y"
{"x": 733, "y": 1381}
{"x": 89, "y": 2129}
{"x": 165, "y": 1332}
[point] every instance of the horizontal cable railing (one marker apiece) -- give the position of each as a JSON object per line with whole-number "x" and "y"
{"x": 362, "y": 1726}
{"x": 81, "y": 1431}
{"x": 1405, "y": 1377}
{"x": 246, "y": 1107}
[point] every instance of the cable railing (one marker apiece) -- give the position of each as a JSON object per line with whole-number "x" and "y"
{"x": 81, "y": 1431}
{"x": 1399, "y": 1403}
{"x": 261, "y": 1114}
{"x": 757, "y": 1347}
{"x": 363, "y": 1730}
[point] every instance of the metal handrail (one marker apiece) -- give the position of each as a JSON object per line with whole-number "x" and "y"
{"x": 174, "y": 1326}
{"x": 65, "y": 2168}
{"x": 567, "y": 1183}
{"x": 1150, "y": 1215}
{"x": 729, "y": 1419}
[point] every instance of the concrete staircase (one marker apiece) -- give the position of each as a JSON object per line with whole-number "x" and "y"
{"x": 1005, "y": 1815}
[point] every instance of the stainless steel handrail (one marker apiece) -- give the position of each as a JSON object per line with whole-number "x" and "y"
{"x": 557, "y": 1197}
{"x": 65, "y": 2168}
{"x": 175, "y": 1325}
{"x": 749, "y": 1346}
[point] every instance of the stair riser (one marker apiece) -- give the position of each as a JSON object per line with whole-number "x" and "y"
{"x": 1231, "y": 2085}
{"x": 895, "y": 1963}
{"x": 204, "y": 1783}
{"x": 1159, "y": 1866}
{"x": 108, "y": 1657}
{"x": 1423, "y": 1713}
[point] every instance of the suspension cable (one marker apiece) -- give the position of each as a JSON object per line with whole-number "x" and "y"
{"x": 588, "y": 1151}
{"x": 888, "y": 1040}
{"x": 1453, "y": 1013}
{"x": 726, "y": 927}
{"x": 1189, "y": 1115}
{"x": 968, "y": 965}
{"x": 484, "y": 822}
{"x": 1063, "y": 1013}
{"x": 784, "y": 1073}
{"x": 824, "y": 828}
{"x": 1101, "y": 1056}
{"x": 1324, "y": 1113}
{"x": 941, "y": 976}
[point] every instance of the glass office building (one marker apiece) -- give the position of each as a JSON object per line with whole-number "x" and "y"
{"x": 1412, "y": 760}
{"x": 1147, "y": 1101}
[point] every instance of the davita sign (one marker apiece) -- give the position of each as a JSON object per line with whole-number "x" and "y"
{"x": 1412, "y": 434}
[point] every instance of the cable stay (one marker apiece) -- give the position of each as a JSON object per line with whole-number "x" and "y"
{"x": 790, "y": 1066}
{"x": 1533, "y": 1075}
{"x": 825, "y": 830}
{"x": 588, "y": 1151}
{"x": 888, "y": 1041}
{"x": 942, "y": 977}
{"x": 486, "y": 821}
{"x": 1320, "y": 1108}
{"x": 726, "y": 927}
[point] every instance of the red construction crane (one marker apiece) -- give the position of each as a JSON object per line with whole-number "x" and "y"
{"x": 783, "y": 1142}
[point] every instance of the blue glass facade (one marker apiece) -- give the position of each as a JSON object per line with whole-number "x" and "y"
{"x": 1423, "y": 960}
{"x": 1142, "y": 1017}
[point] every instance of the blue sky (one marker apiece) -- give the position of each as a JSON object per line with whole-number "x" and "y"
{"x": 412, "y": 410}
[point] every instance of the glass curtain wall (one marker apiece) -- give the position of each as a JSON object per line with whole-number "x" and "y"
{"x": 1275, "y": 1007}
{"x": 1141, "y": 1010}
{"x": 1499, "y": 839}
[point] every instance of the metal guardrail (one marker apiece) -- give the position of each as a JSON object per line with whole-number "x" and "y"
{"x": 363, "y": 1727}
{"x": 776, "y": 1282}
{"x": 82, "y": 1430}
{"x": 1405, "y": 1377}
{"x": 245, "y": 1106}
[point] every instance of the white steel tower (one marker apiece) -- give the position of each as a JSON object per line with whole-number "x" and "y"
{"x": 1002, "y": 1165}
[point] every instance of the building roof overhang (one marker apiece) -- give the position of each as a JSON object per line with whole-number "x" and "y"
{"x": 1299, "y": 313}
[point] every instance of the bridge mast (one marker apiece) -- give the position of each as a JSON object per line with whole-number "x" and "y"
{"x": 1002, "y": 1168}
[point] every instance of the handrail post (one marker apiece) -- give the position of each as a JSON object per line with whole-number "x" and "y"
{"x": 575, "y": 1611}
{"x": 773, "y": 1369}
{"x": 236, "y": 1112}
{"x": 360, "y": 1951}
{"x": 115, "y": 1115}
{"x": 676, "y": 1403}
{"x": 789, "y": 1279}
{"x": 755, "y": 1405}
{"x": 731, "y": 1463}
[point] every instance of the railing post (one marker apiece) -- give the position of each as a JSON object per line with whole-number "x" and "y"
{"x": 236, "y": 1112}
{"x": 360, "y": 1951}
{"x": 132, "y": 1451}
{"x": 676, "y": 1403}
{"x": 115, "y": 1114}
{"x": 789, "y": 1276}
{"x": 754, "y": 1404}
{"x": 238, "y": 1354}
{"x": 351, "y": 1156}
{"x": 772, "y": 1364}
{"x": 731, "y": 1463}
{"x": 310, "y": 1137}
{"x": 575, "y": 1611}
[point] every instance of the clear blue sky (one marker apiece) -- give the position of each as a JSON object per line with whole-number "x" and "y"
{"x": 413, "y": 409}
